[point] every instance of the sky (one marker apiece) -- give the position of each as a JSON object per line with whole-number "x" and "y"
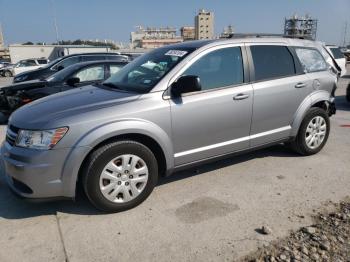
{"x": 32, "y": 20}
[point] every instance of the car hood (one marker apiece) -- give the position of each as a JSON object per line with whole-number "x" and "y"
{"x": 41, "y": 113}
{"x": 40, "y": 72}
{"x": 25, "y": 85}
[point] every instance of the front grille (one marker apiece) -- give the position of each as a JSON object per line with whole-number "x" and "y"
{"x": 11, "y": 134}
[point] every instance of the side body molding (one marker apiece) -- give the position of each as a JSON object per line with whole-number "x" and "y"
{"x": 109, "y": 130}
{"x": 309, "y": 101}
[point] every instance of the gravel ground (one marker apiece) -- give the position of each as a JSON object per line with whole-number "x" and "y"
{"x": 327, "y": 239}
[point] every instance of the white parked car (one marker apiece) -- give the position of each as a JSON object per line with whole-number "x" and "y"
{"x": 28, "y": 64}
{"x": 338, "y": 57}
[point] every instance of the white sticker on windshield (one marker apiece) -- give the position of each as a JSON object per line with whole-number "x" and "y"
{"x": 178, "y": 53}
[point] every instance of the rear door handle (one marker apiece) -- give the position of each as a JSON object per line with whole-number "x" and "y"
{"x": 240, "y": 97}
{"x": 300, "y": 85}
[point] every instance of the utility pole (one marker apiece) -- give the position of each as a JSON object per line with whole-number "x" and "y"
{"x": 2, "y": 41}
{"x": 345, "y": 33}
{"x": 55, "y": 20}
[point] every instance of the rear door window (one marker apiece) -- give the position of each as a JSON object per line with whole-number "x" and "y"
{"x": 272, "y": 61}
{"x": 93, "y": 73}
{"x": 311, "y": 59}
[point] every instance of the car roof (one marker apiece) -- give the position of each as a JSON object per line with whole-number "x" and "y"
{"x": 82, "y": 64}
{"x": 237, "y": 40}
{"x": 96, "y": 53}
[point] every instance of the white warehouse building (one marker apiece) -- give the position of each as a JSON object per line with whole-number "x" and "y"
{"x": 19, "y": 52}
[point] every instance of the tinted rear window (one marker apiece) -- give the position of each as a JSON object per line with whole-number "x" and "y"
{"x": 272, "y": 62}
{"x": 336, "y": 52}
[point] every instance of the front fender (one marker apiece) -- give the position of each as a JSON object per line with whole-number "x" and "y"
{"x": 97, "y": 135}
{"x": 309, "y": 101}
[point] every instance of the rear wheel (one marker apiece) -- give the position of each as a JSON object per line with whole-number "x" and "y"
{"x": 313, "y": 132}
{"x": 120, "y": 175}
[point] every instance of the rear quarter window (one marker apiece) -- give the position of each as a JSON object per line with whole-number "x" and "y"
{"x": 272, "y": 61}
{"x": 311, "y": 59}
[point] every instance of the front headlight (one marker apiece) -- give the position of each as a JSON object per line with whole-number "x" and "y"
{"x": 43, "y": 139}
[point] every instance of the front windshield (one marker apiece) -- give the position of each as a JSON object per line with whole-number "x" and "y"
{"x": 146, "y": 71}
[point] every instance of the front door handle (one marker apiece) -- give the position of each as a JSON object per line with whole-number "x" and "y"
{"x": 240, "y": 97}
{"x": 300, "y": 85}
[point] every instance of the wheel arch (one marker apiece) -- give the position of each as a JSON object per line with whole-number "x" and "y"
{"x": 145, "y": 133}
{"x": 320, "y": 99}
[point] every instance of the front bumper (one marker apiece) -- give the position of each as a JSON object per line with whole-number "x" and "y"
{"x": 34, "y": 173}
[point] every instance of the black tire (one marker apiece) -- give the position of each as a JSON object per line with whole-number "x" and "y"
{"x": 299, "y": 144}
{"x": 99, "y": 159}
{"x": 7, "y": 74}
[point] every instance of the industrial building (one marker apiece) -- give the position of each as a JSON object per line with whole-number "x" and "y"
{"x": 204, "y": 25}
{"x": 227, "y": 32}
{"x": 188, "y": 33}
{"x": 19, "y": 52}
{"x": 151, "y": 37}
{"x": 300, "y": 27}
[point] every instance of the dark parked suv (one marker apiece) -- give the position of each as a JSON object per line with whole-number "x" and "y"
{"x": 65, "y": 61}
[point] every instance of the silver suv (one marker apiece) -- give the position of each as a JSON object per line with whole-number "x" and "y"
{"x": 172, "y": 108}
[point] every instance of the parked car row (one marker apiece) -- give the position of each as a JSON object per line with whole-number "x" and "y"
{"x": 170, "y": 109}
{"x": 22, "y": 66}
{"x": 27, "y": 69}
{"x": 65, "y": 61}
{"x": 77, "y": 75}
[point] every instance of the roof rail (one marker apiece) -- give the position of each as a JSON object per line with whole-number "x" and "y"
{"x": 257, "y": 35}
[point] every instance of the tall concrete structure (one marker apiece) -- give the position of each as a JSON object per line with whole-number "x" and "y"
{"x": 204, "y": 25}
{"x": 4, "y": 52}
{"x": 298, "y": 26}
{"x": 188, "y": 33}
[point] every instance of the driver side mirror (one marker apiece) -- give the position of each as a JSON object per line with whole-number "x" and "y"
{"x": 73, "y": 81}
{"x": 186, "y": 84}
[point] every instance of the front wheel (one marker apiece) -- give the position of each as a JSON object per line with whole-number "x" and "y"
{"x": 7, "y": 74}
{"x": 313, "y": 132}
{"x": 120, "y": 175}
